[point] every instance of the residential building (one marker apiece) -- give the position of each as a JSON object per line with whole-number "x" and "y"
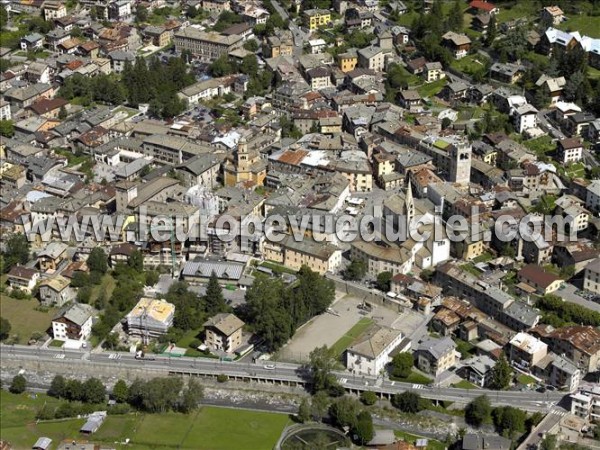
{"x": 579, "y": 344}
{"x": 541, "y": 280}
{"x": 570, "y": 150}
{"x": 433, "y": 72}
{"x": 477, "y": 370}
{"x": 591, "y": 277}
{"x": 592, "y": 196}
{"x": 552, "y": 15}
{"x": 56, "y": 291}
{"x": 118, "y": 60}
{"x": 483, "y": 7}
{"x": 525, "y": 351}
{"x": 216, "y": 6}
{"x": 73, "y": 323}
{"x": 5, "y": 113}
{"x": 32, "y": 42}
{"x": 282, "y": 44}
{"x": 317, "y": 45}
{"x": 207, "y": 46}
{"x": 150, "y": 318}
{"x": 160, "y": 36}
{"x": 586, "y": 403}
{"x": 458, "y": 44}
{"x": 22, "y": 278}
{"x": 477, "y": 441}
{"x": 51, "y": 256}
{"x": 435, "y": 356}
{"x": 371, "y": 351}
{"x": 553, "y": 87}
{"x": 372, "y": 57}
{"x": 54, "y": 9}
{"x": 506, "y": 72}
{"x": 524, "y": 117}
{"x": 319, "y": 257}
{"x": 316, "y": 18}
{"x": 223, "y": 332}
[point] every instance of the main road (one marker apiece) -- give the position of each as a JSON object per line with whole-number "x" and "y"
{"x": 275, "y": 372}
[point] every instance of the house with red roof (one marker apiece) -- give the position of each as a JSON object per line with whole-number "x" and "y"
{"x": 483, "y": 7}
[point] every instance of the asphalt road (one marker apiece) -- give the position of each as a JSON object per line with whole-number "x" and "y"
{"x": 531, "y": 401}
{"x": 299, "y": 36}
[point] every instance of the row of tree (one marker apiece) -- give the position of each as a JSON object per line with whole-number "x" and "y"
{"x": 509, "y": 421}
{"x": 274, "y": 311}
{"x": 343, "y": 411}
{"x": 152, "y": 82}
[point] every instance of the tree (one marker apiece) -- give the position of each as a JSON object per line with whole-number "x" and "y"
{"x": 151, "y": 277}
{"x": 58, "y": 387}
{"x": 18, "y": 385}
{"x": 141, "y": 14}
{"x": 191, "y": 396}
{"x": 509, "y": 420}
{"x": 249, "y": 65}
{"x": 492, "y": 31}
{"x": 356, "y": 270}
{"x": 446, "y": 123}
{"x": 368, "y": 398}
{"x": 322, "y": 363}
{"x": 74, "y": 390}
{"x": 479, "y": 411}
{"x": 455, "y": 20}
{"x": 501, "y": 374}
{"x": 408, "y": 402}
{"x": 188, "y": 308}
{"x": 402, "y": 364}
{"x": 80, "y": 279}
{"x": 3, "y": 17}
{"x": 111, "y": 341}
{"x": 343, "y": 411}
{"x": 97, "y": 260}
{"x": 318, "y": 405}
{"x": 221, "y": 67}
{"x": 549, "y": 442}
{"x": 120, "y": 391}
{"x": 214, "y": 300}
{"x": 17, "y": 251}
{"x": 94, "y": 391}
{"x": 62, "y": 113}
{"x": 251, "y": 45}
{"x": 384, "y": 280}
{"x": 304, "y": 412}
{"x": 363, "y": 428}
{"x": 136, "y": 261}
{"x": 4, "y": 328}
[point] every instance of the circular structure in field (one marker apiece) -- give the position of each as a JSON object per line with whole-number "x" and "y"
{"x": 311, "y": 436}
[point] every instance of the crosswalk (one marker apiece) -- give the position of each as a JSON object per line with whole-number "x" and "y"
{"x": 418, "y": 386}
{"x": 114, "y": 356}
{"x": 558, "y": 412}
{"x": 343, "y": 380}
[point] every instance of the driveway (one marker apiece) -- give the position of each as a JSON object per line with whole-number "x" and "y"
{"x": 568, "y": 294}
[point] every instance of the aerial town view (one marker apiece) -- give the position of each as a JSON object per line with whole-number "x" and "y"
{"x": 300, "y": 224}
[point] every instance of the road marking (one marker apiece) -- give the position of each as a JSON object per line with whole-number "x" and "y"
{"x": 343, "y": 380}
{"x": 114, "y": 356}
{"x": 558, "y": 412}
{"x": 60, "y": 356}
{"x": 418, "y": 386}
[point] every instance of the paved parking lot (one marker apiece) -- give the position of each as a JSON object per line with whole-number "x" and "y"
{"x": 568, "y": 293}
{"x": 328, "y": 328}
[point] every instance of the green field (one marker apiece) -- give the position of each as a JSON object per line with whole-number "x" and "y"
{"x": 432, "y": 444}
{"x": 209, "y": 428}
{"x": 24, "y": 318}
{"x": 470, "y": 64}
{"x": 586, "y": 25}
{"x": 526, "y": 379}
{"x": 347, "y": 339}
{"x": 431, "y": 89}
{"x": 517, "y": 11}
{"x": 576, "y": 170}
{"x": 464, "y": 384}
{"x": 414, "y": 377}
